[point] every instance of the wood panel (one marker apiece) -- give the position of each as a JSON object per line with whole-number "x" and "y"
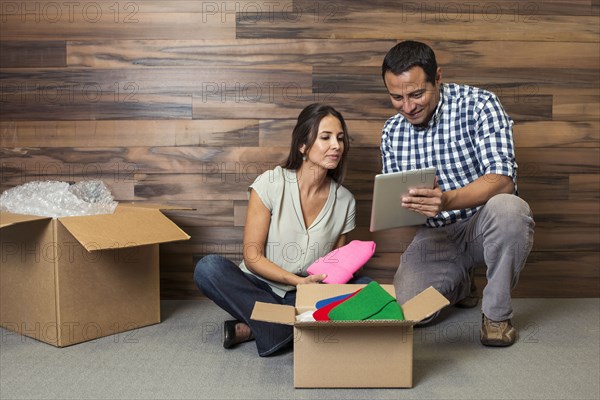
{"x": 125, "y": 133}
{"x": 577, "y": 108}
{"x": 557, "y": 134}
{"x": 586, "y": 186}
{"x": 205, "y": 82}
{"x": 186, "y": 102}
{"x": 285, "y": 53}
{"x": 558, "y": 274}
{"x": 88, "y": 102}
{"x": 33, "y": 54}
{"x": 453, "y": 26}
{"x": 89, "y": 94}
{"x": 528, "y": 11}
{"x": 481, "y": 55}
{"x": 56, "y": 13}
{"x": 271, "y": 54}
{"x": 97, "y": 21}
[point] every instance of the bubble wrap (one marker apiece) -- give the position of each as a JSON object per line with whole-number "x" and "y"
{"x": 58, "y": 199}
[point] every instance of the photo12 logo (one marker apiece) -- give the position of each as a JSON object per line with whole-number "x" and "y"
{"x": 268, "y": 11}
{"x": 234, "y": 171}
{"x": 61, "y": 92}
{"x": 15, "y": 171}
{"x": 251, "y": 92}
{"x": 265, "y": 92}
{"x": 70, "y": 252}
{"x": 70, "y": 12}
{"x": 468, "y": 11}
{"x": 82, "y": 331}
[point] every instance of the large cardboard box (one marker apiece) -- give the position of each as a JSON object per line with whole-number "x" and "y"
{"x": 346, "y": 354}
{"x": 68, "y": 280}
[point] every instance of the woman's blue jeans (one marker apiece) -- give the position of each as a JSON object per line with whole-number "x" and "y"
{"x": 235, "y": 291}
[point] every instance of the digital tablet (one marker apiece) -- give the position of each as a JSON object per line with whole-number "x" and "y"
{"x": 387, "y": 211}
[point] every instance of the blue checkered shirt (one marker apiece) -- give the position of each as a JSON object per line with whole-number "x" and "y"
{"x": 468, "y": 136}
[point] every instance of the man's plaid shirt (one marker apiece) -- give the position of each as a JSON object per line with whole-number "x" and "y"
{"x": 468, "y": 136}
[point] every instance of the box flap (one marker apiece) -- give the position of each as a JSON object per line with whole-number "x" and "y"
{"x": 424, "y": 305}
{"x": 156, "y": 206}
{"x": 276, "y": 313}
{"x": 126, "y": 227}
{"x": 8, "y": 219}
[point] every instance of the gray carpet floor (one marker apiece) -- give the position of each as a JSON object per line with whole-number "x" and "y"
{"x": 557, "y": 357}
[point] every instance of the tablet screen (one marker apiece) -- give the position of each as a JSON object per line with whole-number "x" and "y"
{"x": 387, "y": 211}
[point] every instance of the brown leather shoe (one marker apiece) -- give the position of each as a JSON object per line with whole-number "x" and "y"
{"x": 497, "y": 333}
{"x": 472, "y": 299}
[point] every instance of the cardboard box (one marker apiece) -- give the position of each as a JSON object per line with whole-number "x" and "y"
{"x": 346, "y": 354}
{"x": 72, "y": 279}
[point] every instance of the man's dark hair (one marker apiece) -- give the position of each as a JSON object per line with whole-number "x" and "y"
{"x": 408, "y": 54}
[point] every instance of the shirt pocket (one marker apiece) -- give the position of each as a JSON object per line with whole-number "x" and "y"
{"x": 458, "y": 160}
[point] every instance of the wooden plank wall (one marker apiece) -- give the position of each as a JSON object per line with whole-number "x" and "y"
{"x": 186, "y": 102}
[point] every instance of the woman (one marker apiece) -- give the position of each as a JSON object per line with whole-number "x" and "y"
{"x": 296, "y": 213}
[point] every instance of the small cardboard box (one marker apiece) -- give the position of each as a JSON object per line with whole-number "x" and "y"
{"x": 73, "y": 279}
{"x": 346, "y": 354}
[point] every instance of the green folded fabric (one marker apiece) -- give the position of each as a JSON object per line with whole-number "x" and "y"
{"x": 392, "y": 310}
{"x": 368, "y": 302}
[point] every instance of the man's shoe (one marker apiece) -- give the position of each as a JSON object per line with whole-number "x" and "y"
{"x": 497, "y": 333}
{"x": 472, "y": 299}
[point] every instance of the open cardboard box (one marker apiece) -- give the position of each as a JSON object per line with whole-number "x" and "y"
{"x": 347, "y": 354}
{"x": 72, "y": 279}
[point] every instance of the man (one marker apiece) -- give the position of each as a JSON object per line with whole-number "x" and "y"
{"x": 474, "y": 215}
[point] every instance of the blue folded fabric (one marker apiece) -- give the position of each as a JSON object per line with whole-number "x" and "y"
{"x": 324, "y": 302}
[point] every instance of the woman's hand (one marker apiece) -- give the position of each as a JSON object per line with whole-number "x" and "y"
{"x": 311, "y": 279}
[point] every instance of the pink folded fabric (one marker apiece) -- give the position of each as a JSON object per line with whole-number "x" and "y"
{"x": 341, "y": 264}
